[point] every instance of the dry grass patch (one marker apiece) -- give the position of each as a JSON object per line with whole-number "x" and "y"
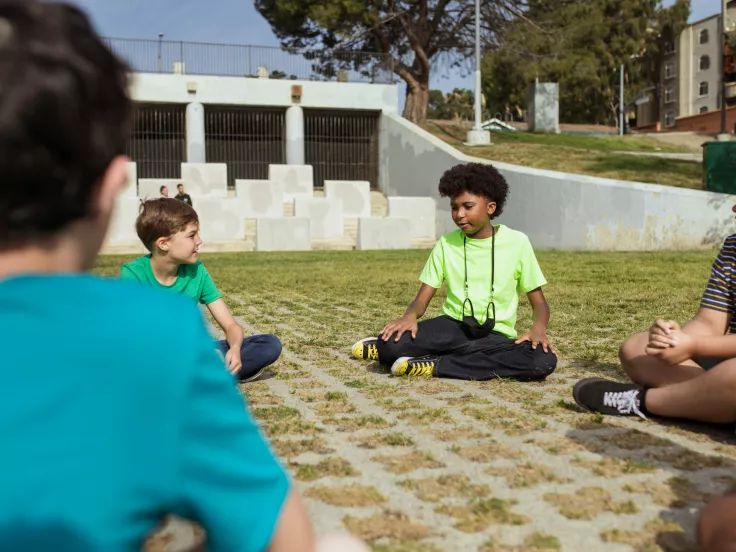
{"x": 677, "y": 492}
{"x": 436, "y": 386}
{"x": 525, "y": 475}
{"x": 657, "y": 536}
{"x": 329, "y": 467}
{"x": 479, "y": 514}
{"x": 358, "y": 423}
{"x": 290, "y": 448}
{"x": 434, "y": 489}
{"x": 261, "y": 397}
{"x": 556, "y": 447}
{"x": 354, "y": 496}
{"x": 689, "y": 460}
{"x": 512, "y": 391}
{"x": 407, "y": 463}
{"x": 388, "y": 524}
{"x": 487, "y": 452}
{"x": 332, "y": 408}
{"x": 615, "y": 467}
{"x": 536, "y": 542}
{"x": 588, "y": 503}
{"x": 275, "y": 413}
{"x": 426, "y": 416}
{"x": 633, "y": 439}
{"x": 464, "y": 400}
{"x": 405, "y": 546}
{"x": 304, "y": 384}
{"x": 451, "y": 435}
{"x": 380, "y": 439}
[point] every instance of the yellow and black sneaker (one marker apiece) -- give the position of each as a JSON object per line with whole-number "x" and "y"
{"x": 407, "y": 366}
{"x": 366, "y": 349}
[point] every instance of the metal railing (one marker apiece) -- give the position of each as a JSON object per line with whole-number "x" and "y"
{"x": 230, "y": 60}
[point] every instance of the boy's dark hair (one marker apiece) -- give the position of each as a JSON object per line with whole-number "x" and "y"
{"x": 64, "y": 114}
{"x": 479, "y": 179}
{"x": 179, "y": 186}
{"x": 163, "y": 217}
{"x": 162, "y": 188}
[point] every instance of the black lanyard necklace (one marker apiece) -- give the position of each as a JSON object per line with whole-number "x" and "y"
{"x": 493, "y": 265}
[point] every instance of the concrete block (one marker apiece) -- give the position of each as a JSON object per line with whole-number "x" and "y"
{"x": 283, "y": 234}
{"x": 220, "y": 220}
{"x": 149, "y": 188}
{"x": 383, "y": 233}
{"x": 355, "y": 196}
{"x": 324, "y": 214}
{"x": 298, "y": 180}
{"x": 260, "y": 198}
{"x": 122, "y": 224}
{"x": 131, "y": 185}
{"x": 201, "y": 179}
{"x": 419, "y": 210}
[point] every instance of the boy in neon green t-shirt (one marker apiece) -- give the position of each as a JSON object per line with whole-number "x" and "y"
{"x": 485, "y": 267}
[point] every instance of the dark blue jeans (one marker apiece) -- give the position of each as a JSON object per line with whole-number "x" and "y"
{"x": 257, "y": 352}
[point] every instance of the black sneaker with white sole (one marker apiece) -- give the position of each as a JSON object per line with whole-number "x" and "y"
{"x": 610, "y": 397}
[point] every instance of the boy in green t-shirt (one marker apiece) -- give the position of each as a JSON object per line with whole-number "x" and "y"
{"x": 169, "y": 229}
{"x": 485, "y": 267}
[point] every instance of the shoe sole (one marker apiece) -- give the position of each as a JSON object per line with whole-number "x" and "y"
{"x": 576, "y": 390}
{"x": 395, "y": 365}
{"x": 254, "y": 376}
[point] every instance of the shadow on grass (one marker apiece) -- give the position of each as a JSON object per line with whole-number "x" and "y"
{"x": 696, "y": 478}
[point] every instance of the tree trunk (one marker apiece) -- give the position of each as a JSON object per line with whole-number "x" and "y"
{"x": 417, "y": 101}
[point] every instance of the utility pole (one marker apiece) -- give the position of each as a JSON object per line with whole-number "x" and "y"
{"x": 621, "y": 103}
{"x": 160, "y": 60}
{"x": 478, "y": 136}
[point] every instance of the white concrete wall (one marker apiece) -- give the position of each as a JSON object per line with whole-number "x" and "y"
{"x": 560, "y": 210}
{"x": 149, "y": 87}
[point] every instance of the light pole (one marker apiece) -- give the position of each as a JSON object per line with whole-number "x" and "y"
{"x": 621, "y": 103}
{"x": 722, "y": 59}
{"x": 160, "y": 60}
{"x": 477, "y": 136}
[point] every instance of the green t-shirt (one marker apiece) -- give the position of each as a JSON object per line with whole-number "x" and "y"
{"x": 517, "y": 271}
{"x": 193, "y": 280}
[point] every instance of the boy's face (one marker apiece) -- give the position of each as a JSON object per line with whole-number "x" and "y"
{"x": 180, "y": 188}
{"x": 471, "y": 212}
{"x": 183, "y": 247}
{"x": 164, "y": 192}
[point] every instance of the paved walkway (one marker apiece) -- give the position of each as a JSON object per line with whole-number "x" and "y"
{"x": 427, "y": 464}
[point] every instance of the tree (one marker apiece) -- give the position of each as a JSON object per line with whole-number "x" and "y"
{"x": 413, "y": 35}
{"x": 581, "y": 45}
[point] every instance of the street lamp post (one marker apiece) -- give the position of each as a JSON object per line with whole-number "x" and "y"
{"x": 477, "y": 136}
{"x": 722, "y": 59}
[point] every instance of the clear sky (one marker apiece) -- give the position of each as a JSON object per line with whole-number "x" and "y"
{"x": 236, "y": 22}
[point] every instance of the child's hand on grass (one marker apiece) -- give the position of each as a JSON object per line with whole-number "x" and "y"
{"x": 399, "y": 327}
{"x": 538, "y": 336}
{"x": 674, "y": 349}
{"x": 233, "y": 360}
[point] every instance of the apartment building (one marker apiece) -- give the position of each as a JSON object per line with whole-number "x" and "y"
{"x": 690, "y": 77}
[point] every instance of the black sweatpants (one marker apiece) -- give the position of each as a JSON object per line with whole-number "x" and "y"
{"x": 461, "y": 357}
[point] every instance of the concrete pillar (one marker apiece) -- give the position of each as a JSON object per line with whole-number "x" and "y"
{"x": 295, "y": 135}
{"x": 195, "y": 133}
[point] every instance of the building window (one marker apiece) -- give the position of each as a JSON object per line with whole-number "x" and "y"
{"x": 669, "y": 48}
{"x": 704, "y": 63}
{"x": 669, "y": 94}
{"x": 703, "y": 89}
{"x": 704, "y": 36}
{"x": 704, "y": 109}
{"x": 669, "y": 119}
{"x": 669, "y": 70}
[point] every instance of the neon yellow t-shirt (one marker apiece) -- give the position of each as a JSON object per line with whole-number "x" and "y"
{"x": 517, "y": 271}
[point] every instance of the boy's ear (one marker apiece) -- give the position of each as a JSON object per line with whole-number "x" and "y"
{"x": 491, "y": 208}
{"x": 112, "y": 183}
{"x": 162, "y": 244}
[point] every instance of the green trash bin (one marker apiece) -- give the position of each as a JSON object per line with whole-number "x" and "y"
{"x": 719, "y": 167}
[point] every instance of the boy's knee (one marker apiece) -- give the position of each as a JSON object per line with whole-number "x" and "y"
{"x": 388, "y": 351}
{"x": 543, "y": 364}
{"x": 274, "y": 346}
{"x": 632, "y": 348}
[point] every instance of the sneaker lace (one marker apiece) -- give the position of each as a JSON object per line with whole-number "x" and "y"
{"x": 625, "y": 402}
{"x": 424, "y": 367}
{"x": 372, "y": 352}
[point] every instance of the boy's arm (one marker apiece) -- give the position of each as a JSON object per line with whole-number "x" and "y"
{"x": 414, "y": 311}
{"x": 233, "y": 333}
{"x": 538, "y": 333}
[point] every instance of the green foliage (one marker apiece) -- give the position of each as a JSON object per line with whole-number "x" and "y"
{"x": 581, "y": 45}
{"x": 457, "y": 104}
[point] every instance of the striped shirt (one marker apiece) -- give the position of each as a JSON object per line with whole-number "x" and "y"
{"x": 720, "y": 293}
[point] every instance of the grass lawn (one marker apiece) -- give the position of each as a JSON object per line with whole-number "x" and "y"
{"x": 423, "y": 465}
{"x": 589, "y": 155}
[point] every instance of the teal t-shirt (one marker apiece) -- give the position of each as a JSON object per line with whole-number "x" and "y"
{"x": 193, "y": 280}
{"x": 517, "y": 271}
{"x": 103, "y": 432}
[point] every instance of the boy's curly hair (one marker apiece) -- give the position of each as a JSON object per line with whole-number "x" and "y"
{"x": 479, "y": 179}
